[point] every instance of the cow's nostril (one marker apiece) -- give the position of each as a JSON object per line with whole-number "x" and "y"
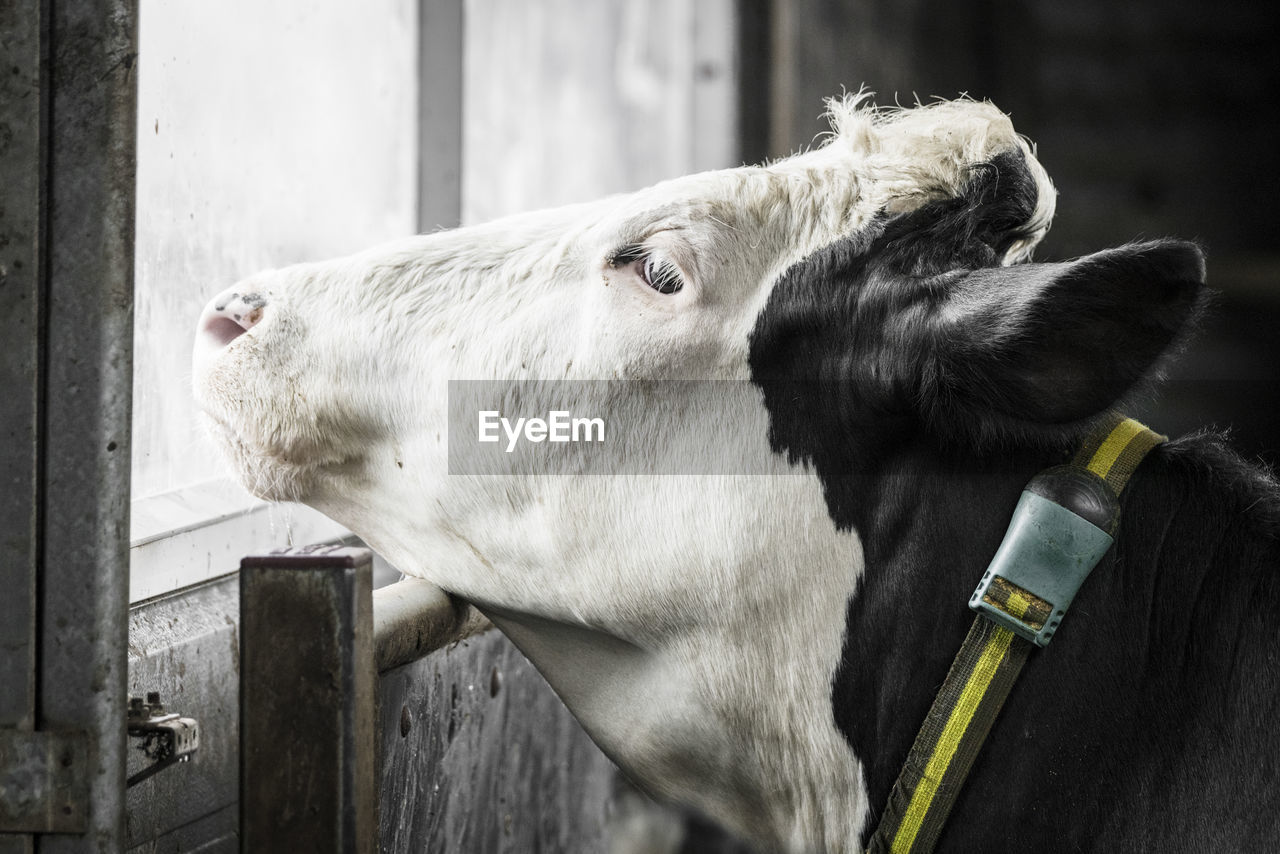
{"x": 222, "y": 330}
{"x": 229, "y": 315}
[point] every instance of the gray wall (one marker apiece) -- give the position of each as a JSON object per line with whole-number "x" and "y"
{"x": 187, "y": 648}
{"x": 479, "y": 755}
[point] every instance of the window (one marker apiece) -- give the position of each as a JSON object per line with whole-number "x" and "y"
{"x": 268, "y": 133}
{"x": 276, "y": 132}
{"x": 566, "y": 101}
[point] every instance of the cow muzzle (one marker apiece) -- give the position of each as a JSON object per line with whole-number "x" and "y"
{"x": 228, "y": 316}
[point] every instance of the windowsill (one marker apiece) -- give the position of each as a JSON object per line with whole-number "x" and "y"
{"x": 196, "y": 533}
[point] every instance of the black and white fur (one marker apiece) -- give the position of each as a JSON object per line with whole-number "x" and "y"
{"x": 762, "y": 646}
{"x": 1144, "y": 727}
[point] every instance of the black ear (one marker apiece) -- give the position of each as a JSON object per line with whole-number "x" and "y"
{"x": 1053, "y": 343}
{"x": 862, "y": 333}
{"x": 913, "y": 319}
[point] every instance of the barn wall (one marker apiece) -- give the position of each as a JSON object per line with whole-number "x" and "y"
{"x": 1149, "y": 117}
{"x": 22, "y": 109}
{"x": 478, "y": 754}
{"x": 186, "y": 647}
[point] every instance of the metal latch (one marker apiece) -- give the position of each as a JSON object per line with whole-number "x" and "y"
{"x": 166, "y": 737}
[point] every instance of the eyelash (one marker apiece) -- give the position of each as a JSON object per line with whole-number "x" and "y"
{"x": 656, "y": 271}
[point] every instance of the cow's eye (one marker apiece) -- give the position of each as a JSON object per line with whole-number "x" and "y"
{"x": 651, "y": 266}
{"x": 660, "y": 274}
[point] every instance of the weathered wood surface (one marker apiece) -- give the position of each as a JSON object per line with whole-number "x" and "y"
{"x": 480, "y": 755}
{"x": 478, "y": 752}
{"x": 187, "y": 648}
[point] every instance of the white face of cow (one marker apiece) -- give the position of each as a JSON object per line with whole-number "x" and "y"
{"x": 693, "y": 623}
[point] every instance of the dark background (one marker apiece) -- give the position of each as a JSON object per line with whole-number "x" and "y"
{"x": 1153, "y": 119}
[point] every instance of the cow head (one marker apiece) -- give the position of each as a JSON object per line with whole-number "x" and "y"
{"x": 693, "y": 623}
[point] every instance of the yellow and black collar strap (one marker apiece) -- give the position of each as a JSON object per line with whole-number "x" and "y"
{"x": 1062, "y": 526}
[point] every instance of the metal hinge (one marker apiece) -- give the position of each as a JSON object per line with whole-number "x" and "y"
{"x": 166, "y": 737}
{"x": 44, "y": 781}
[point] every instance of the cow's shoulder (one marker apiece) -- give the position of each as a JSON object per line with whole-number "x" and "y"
{"x": 1147, "y": 714}
{"x": 1200, "y": 551}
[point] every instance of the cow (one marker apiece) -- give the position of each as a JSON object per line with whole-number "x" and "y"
{"x": 864, "y": 329}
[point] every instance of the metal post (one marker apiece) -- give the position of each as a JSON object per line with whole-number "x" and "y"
{"x": 22, "y": 138}
{"x": 307, "y": 683}
{"x": 413, "y": 618}
{"x": 440, "y": 41}
{"x": 755, "y": 84}
{"x": 84, "y": 567}
{"x": 67, "y": 129}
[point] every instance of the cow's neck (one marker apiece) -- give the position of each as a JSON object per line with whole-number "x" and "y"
{"x": 638, "y": 707}
{"x": 741, "y": 696}
{"x": 930, "y": 520}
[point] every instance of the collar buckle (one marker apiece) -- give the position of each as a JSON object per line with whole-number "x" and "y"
{"x": 1048, "y": 551}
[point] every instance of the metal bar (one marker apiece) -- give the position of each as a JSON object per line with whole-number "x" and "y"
{"x": 440, "y": 28}
{"x": 783, "y": 76}
{"x": 754, "y": 80}
{"x": 84, "y": 581}
{"x": 414, "y": 618}
{"x": 307, "y": 683}
{"x": 715, "y": 66}
{"x": 22, "y": 143}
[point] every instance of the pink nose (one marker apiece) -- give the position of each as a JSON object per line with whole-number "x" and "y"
{"x": 231, "y": 314}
